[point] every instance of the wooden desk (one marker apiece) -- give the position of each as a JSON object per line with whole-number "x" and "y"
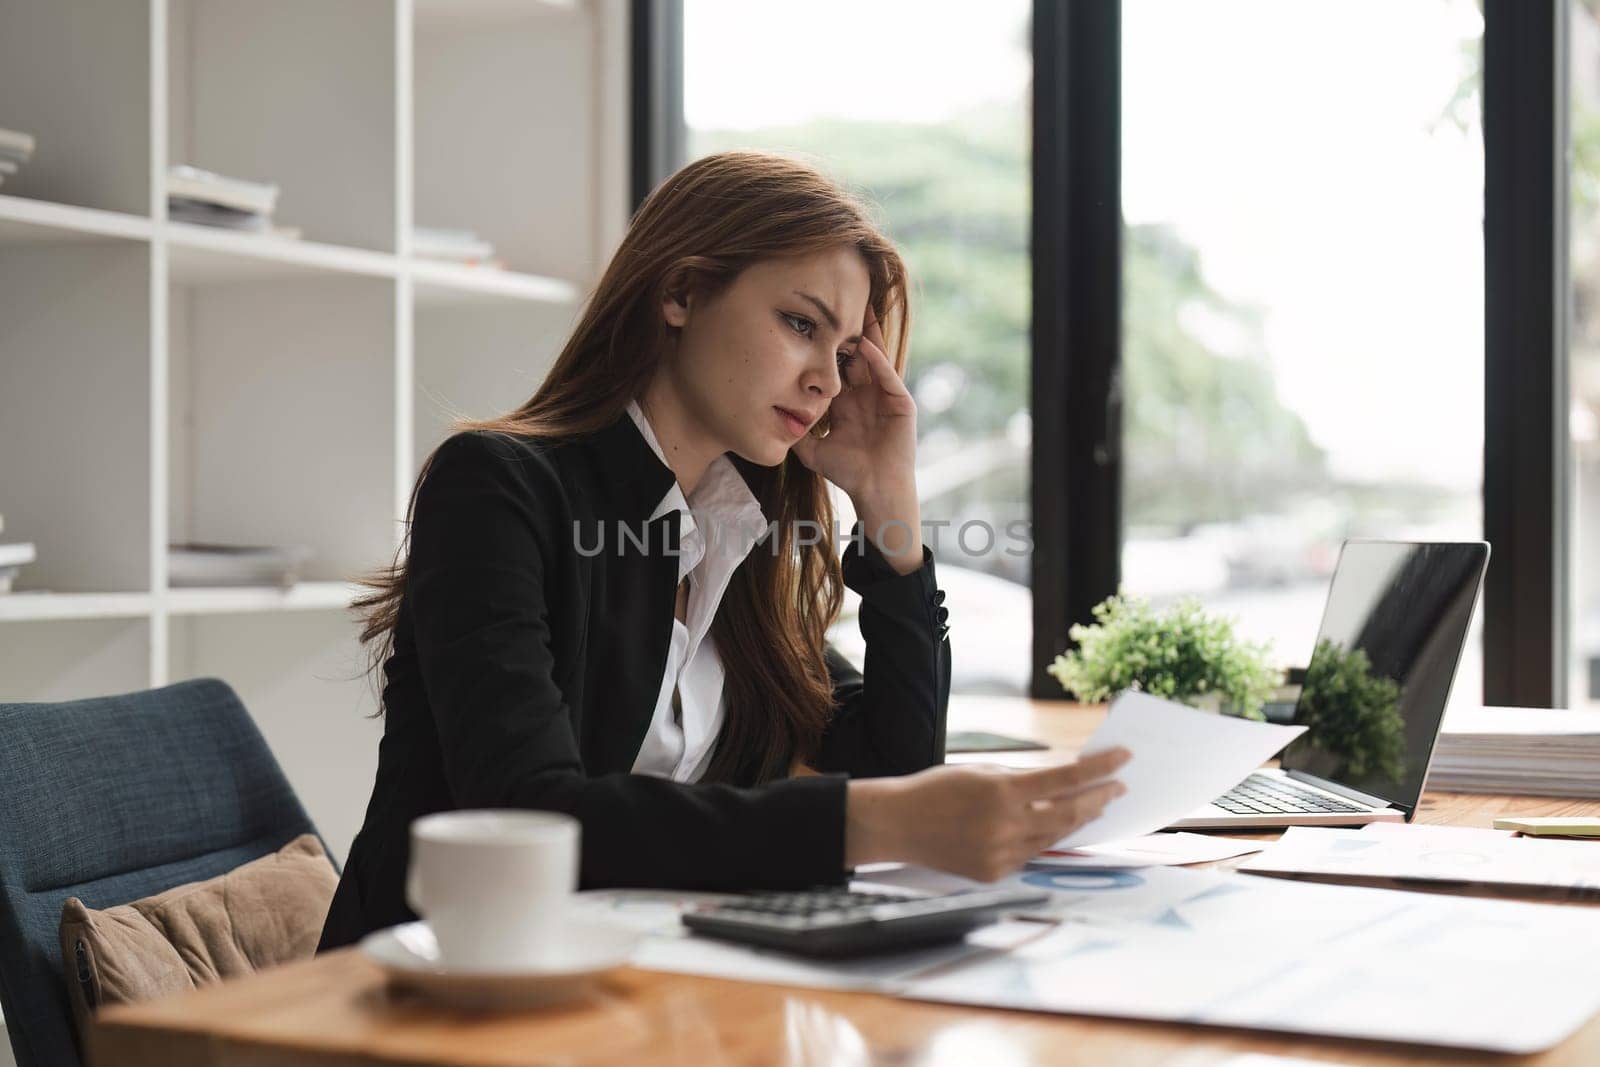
{"x": 336, "y": 1010}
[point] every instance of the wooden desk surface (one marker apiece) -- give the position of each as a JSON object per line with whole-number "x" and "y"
{"x": 336, "y": 1009}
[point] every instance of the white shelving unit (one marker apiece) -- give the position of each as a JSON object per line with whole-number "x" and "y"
{"x": 165, "y": 382}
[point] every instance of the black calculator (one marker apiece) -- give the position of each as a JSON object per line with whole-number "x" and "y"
{"x": 835, "y": 922}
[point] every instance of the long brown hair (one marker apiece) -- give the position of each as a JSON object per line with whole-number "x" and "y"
{"x": 698, "y": 230}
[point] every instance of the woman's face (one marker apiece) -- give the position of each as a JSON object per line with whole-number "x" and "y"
{"x": 756, "y": 365}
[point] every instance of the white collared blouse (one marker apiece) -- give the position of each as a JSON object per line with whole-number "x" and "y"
{"x": 680, "y": 740}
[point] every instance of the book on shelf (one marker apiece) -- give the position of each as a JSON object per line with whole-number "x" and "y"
{"x": 204, "y": 198}
{"x": 203, "y": 186}
{"x": 12, "y": 559}
{"x": 227, "y": 219}
{"x": 16, "y": 148}
{"x": 181, "y": 209}
{"x": 16, "y": 145}
{"x": 192, "y": 563}
{"x": 16, "y": 142}
{"x": 453, "y": 246}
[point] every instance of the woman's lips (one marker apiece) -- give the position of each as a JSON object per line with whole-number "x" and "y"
{"x": 796, "y": 425}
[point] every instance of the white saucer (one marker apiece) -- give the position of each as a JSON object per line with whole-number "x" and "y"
{"x": 587, "y": 950}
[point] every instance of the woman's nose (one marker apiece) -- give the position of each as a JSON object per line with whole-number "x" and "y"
{"x": 825, "y": 382}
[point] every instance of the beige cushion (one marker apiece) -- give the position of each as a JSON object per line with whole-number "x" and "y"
{"x": 268, "y": 911}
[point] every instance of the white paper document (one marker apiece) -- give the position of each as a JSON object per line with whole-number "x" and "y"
{"x": 1435, "y": 854}
{"x": 1183, "y": 759}
{"x": 1152, "y": 850}
{"x": 1197, "y": 946}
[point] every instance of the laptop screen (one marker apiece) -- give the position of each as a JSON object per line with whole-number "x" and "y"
{"x": 1386, "y": 654}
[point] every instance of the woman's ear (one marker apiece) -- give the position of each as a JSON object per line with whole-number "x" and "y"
{"x": 675, "y": 304}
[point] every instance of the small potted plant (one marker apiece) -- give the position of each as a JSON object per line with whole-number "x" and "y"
{"x": 1182, "y": 654}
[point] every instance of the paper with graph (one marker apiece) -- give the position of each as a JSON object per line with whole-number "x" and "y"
{"x": 1234, "y": 950}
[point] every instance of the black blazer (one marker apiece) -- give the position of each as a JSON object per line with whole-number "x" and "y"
{"x": 526, "y": 668}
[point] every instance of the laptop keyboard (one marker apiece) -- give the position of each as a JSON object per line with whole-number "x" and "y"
{"x": 1262, "y": 794}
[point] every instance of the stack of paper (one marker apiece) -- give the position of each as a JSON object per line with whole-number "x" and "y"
{"x": 12, "y": 558}
{"x": 192, "y": 564}
{"x": 16, "y": 148}
{"x": 200, "y": 196}
{"x": 1543, "y": 751}
{"x": 455, "y": 246}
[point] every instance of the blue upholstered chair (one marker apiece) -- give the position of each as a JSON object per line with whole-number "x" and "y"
{"x": 111, "y": 800}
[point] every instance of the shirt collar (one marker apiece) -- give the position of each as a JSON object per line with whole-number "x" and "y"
{"x": 722, "y": 493}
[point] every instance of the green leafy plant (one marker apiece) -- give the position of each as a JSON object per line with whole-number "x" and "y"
{"x": 1182, "y": 654}
{"x": 1352, "y": 713}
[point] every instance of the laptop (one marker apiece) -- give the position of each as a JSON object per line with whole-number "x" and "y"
{"x": 1393, "y": 629}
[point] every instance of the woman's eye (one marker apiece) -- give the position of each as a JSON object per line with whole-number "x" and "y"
{"x": 805, "y": 328}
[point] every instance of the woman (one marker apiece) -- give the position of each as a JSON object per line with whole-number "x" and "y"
{"x": 614, "y": 599}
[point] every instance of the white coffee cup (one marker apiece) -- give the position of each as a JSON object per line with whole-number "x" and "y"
{"x": 493, "y": 885}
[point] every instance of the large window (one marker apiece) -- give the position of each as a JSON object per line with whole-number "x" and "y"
{"x": 923, "y": 107}
{"x": 1308, "y": 342}
{"x": 1303, "y": 297}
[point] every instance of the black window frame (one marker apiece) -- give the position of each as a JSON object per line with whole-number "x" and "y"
{"x": 655, "y": 121}
{"x": 1525, "y": 432}
{"x": 1076, "y": 401}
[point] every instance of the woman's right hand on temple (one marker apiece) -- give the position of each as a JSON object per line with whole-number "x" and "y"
{"x": 976, "y": 820}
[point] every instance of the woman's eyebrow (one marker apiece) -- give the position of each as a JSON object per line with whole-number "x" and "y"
{"x": 827, "y": 313}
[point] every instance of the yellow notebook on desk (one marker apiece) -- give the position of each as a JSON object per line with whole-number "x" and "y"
{"x": 1551, "y": 825}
